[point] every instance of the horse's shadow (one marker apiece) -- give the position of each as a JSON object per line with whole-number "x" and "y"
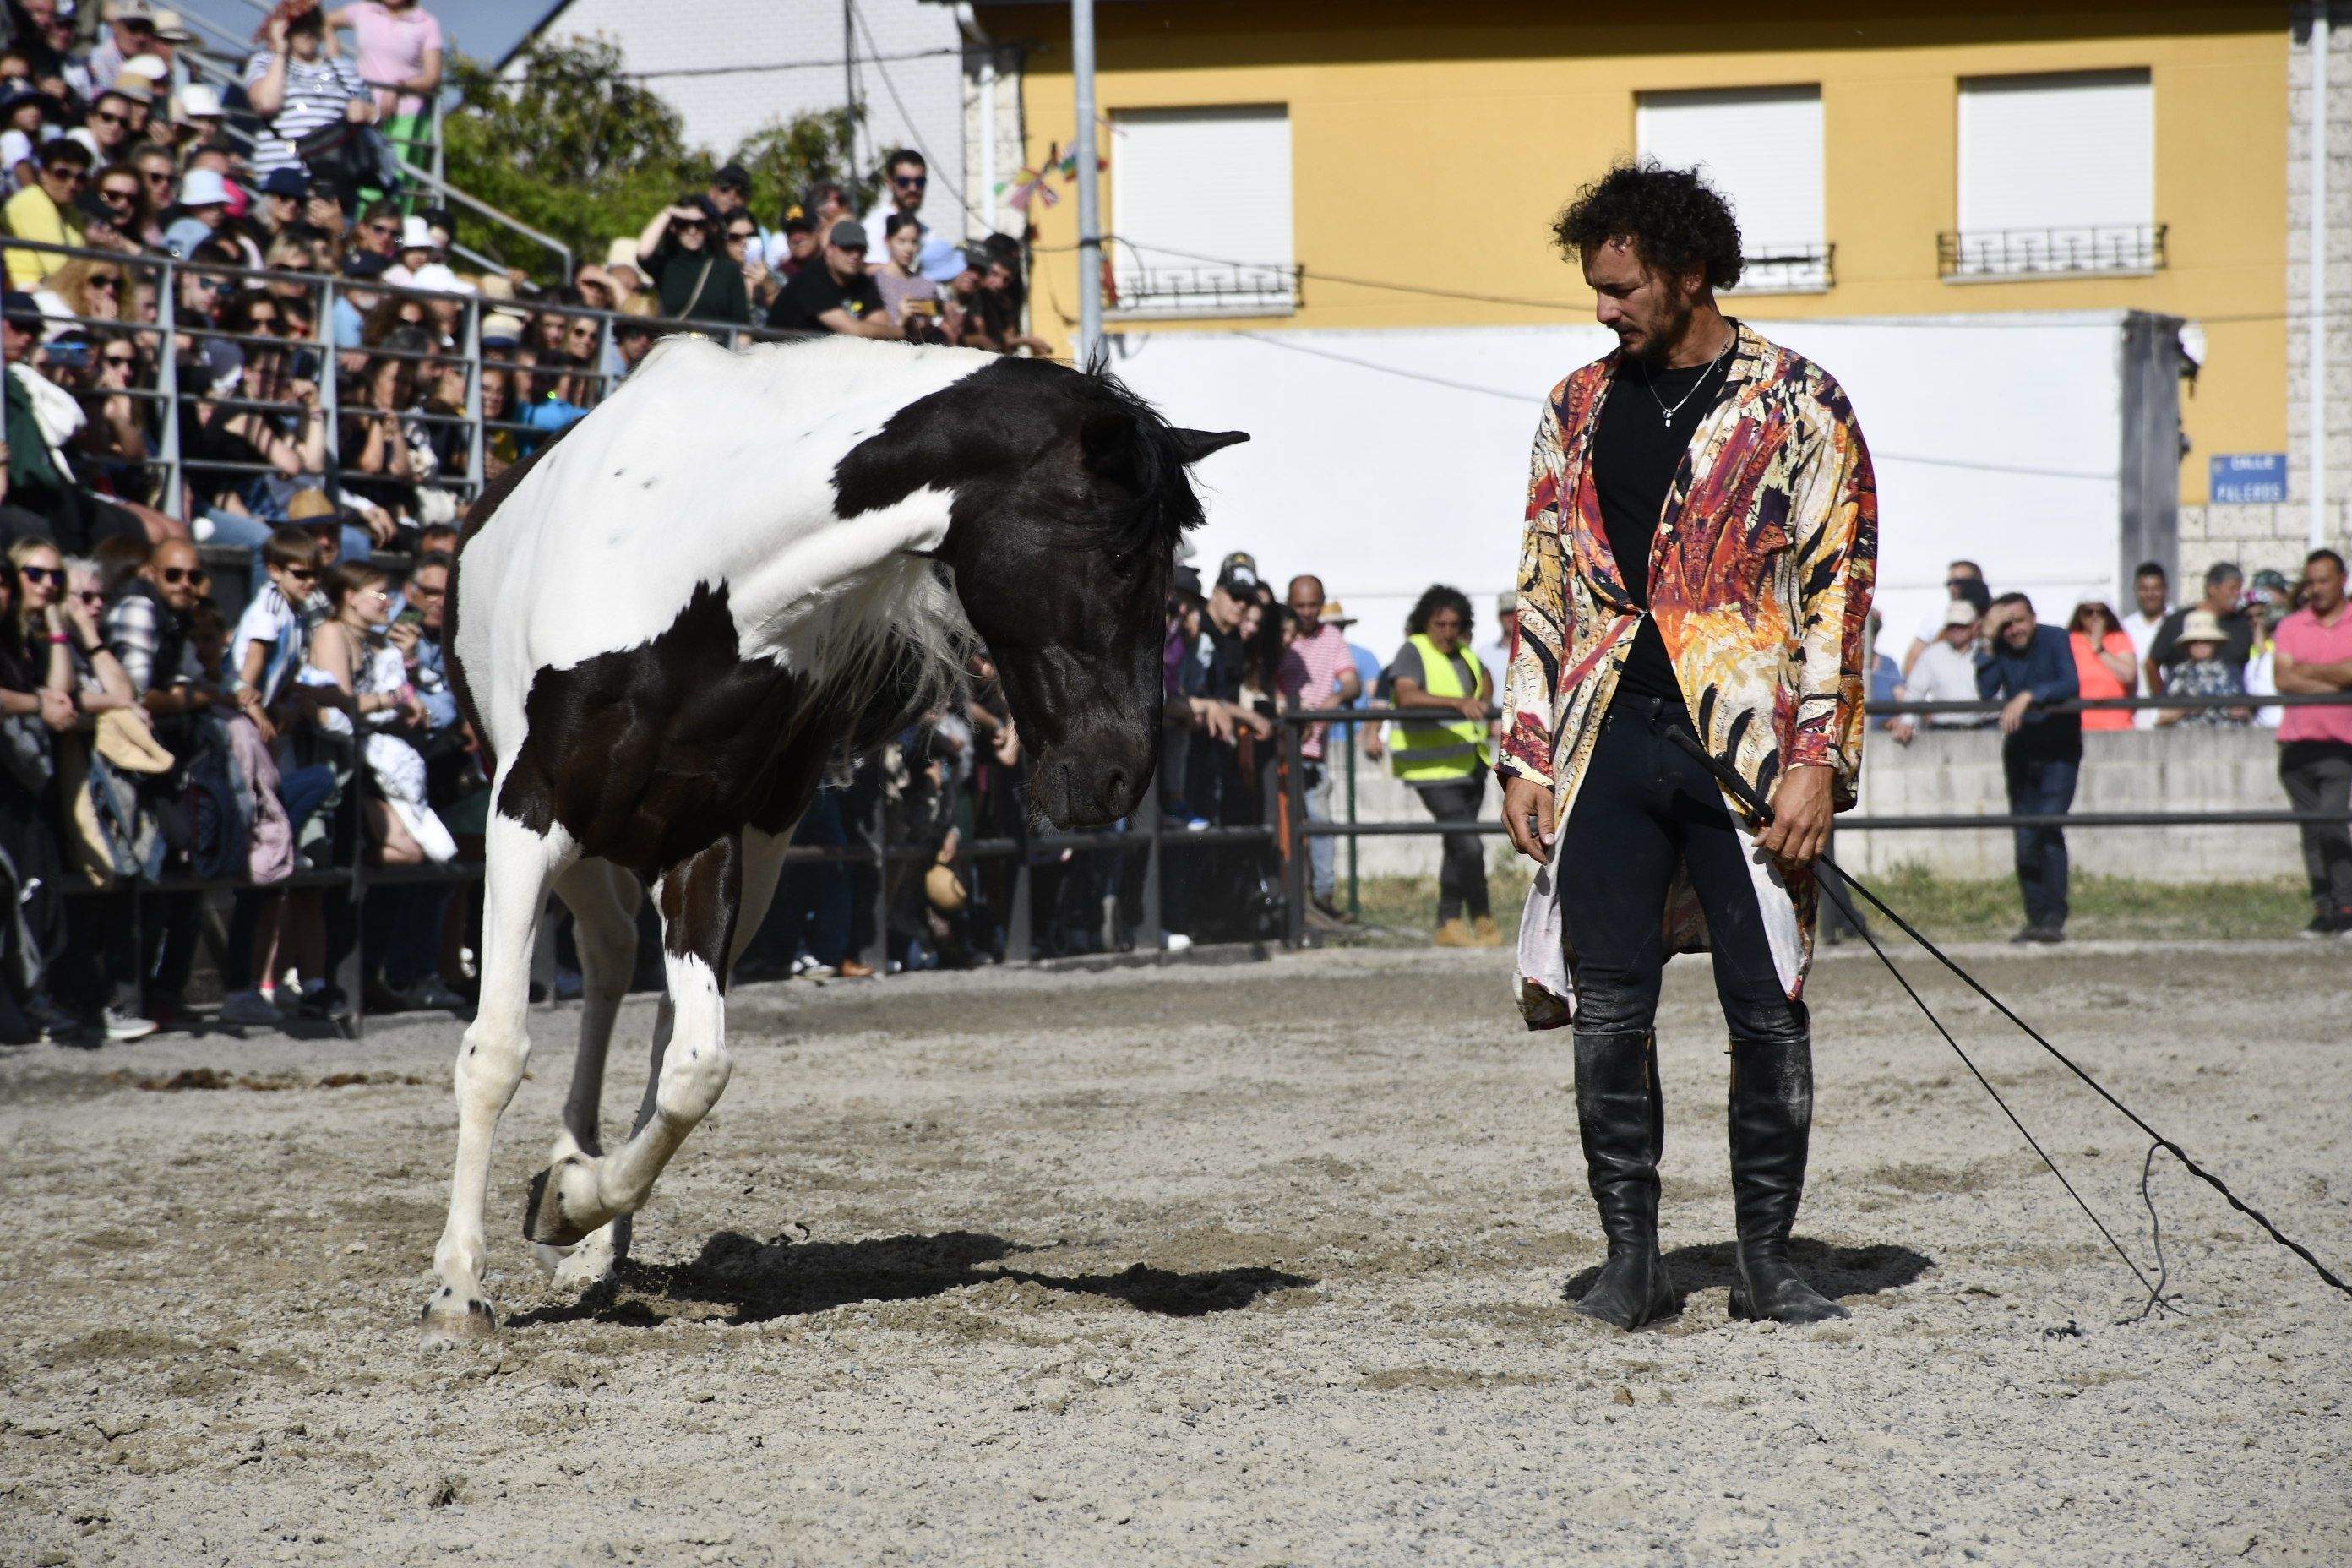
{"x": 1837, "y": 1272}
{"x": 782, "y": 1278}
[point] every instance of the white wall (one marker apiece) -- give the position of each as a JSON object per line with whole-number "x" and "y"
{"x": 1383, "y": 484}
{"x": 804, "y": 40}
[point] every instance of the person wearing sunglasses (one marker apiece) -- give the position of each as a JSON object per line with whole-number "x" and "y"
{"x": 904, "y": 179}
{"x": 119, "y": 189}
{"x": 28, "y": 838}
{"x": 111, "y": 122}
{"x": 38, "y": 211}
{"x": 838, "y": 295}
{"x": 682, "y": 250}
{"x": 744, "y": 249}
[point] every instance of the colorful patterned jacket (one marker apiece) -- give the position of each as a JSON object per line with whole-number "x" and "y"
{"x": 1760, "y": 579}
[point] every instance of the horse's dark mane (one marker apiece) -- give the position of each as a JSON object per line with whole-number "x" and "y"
{"x": 1164, "y": 504}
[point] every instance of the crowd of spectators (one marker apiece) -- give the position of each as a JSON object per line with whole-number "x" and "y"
{"x": 2238, "y": 639}
{"x": 255, "y": 506}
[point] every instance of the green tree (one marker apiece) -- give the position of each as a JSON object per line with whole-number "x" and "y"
{"x": 570, "y": 145}
{"x": 785, "y": 158}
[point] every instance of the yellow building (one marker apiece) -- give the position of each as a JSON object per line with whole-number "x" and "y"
{"x": 1407, "y": 159}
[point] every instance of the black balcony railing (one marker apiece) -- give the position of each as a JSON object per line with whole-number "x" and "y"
{"x": 1788, "y": 269}
{"x": 1206, "y": 289}
{"x": 2035, "y": 252}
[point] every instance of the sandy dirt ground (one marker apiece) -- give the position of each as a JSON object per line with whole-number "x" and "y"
{"x": 1255, "y": 1264}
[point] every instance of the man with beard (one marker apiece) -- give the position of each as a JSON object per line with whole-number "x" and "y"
{"x": 1700, "y": 544}
{"x": 146, "y": 628}
{"x": 836, "y": 295}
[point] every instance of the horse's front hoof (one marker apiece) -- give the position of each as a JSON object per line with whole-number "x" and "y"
{"x": 452, "y": 1319}
{"x": 560, "y": 1210}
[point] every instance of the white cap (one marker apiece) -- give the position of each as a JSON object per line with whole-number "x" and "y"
{"x": 203, "y": 188}
{"x": 199, "y": 101}
{"x": 415, "y": 234}
{"x": 154, "y": 68}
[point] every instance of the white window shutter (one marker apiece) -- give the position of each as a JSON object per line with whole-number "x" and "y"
{"x": 2057, "y": 172}
{"x": 1201, "y": 211}
{"x": 1761, "y": 147}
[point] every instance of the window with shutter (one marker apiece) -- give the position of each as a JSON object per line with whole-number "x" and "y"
{"x": 1761, "y": 147}
{"x": 1199, "y": 212}
{"x": 2057, "y": 173}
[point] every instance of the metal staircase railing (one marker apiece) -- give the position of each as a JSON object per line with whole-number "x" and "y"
{"x": 218, "y": 72}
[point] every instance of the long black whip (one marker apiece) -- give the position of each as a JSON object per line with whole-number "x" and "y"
{"x": 1728, "y": 777}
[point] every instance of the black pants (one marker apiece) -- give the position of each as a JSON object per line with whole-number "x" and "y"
{"x": 1644, "y": 804}
{"x": 2040, "y": 786}
{"x": 1462, "y": 874}
{"x": 2318, "y": 777}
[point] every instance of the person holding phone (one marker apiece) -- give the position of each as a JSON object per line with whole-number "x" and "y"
{"x": 912, "y": 299}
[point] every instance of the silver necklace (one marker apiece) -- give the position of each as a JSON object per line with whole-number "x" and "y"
{"x": 1713, "y": 365}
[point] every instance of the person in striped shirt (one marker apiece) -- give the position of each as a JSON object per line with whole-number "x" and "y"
{"x": 298, "y": 89}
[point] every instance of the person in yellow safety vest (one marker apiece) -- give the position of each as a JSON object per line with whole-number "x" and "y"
{"x": 1448, "y": 762}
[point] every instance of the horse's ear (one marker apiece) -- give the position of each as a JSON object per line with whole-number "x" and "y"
{"x": 1107, "y": 442}
{"x": 1198, "y": 443}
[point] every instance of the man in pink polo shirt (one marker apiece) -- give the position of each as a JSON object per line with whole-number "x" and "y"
{"x": 1318, "y": 671}
{"x": 2314, "y": 653}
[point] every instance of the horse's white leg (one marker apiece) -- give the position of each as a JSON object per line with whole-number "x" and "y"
{"x": 520, "y": 863}
{"x": 603, "y": 899}
{"x": 763, "y": 864}
{"x": 698, "y": 900}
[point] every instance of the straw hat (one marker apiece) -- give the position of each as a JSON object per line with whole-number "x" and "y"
{"x": 943, "y": 888}
{"x": 1335, "y": 614}
{"x": 311, "y": 506}
{"x": 2202, "y": 626}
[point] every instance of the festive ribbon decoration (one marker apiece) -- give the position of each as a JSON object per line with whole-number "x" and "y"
{"x": 1031, "y": 184}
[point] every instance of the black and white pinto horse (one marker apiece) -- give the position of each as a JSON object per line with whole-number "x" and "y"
{"x": 667, "y": 621}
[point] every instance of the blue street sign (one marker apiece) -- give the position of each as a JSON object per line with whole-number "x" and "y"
{"x": 2247, "y": 476}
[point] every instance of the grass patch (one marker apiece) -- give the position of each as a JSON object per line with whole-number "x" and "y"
{"x": 1405, "y": 909}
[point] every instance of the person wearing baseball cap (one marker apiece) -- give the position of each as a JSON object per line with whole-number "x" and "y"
{"x": 730, "y": 191}
{"x": 1946, "y": 670}
{"x": 838, "y": 295}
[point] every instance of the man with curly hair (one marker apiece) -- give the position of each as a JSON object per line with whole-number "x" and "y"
{"x": 1701, "y": 541}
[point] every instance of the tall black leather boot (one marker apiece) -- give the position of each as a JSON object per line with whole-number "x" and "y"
{"x": 1772, "y": 1124}
{"x": 1621, "y": 1116}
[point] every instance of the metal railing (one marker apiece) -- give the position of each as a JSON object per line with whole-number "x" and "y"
{"x": 577, "y": 371}
{"x": 1295, "y": 721}
{"x": 2031, "y": 252}
{"x": 430, "y": 175}
{"x": 1789, "y": 269}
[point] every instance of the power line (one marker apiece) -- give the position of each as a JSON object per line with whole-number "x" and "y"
{"x": 2021, "y": 469}
{"x": 930, "y": 164}
{"x": 783, "y": 66}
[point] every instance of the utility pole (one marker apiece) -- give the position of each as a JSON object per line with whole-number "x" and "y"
{"x": 1082, "y": 67}
{"x": 2316, "y": 410}
{"x": 849, "y": 75}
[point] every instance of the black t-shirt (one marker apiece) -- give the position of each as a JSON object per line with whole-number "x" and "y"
{"x": 815, "y": 290}
{"x": 1646, "y": 424}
